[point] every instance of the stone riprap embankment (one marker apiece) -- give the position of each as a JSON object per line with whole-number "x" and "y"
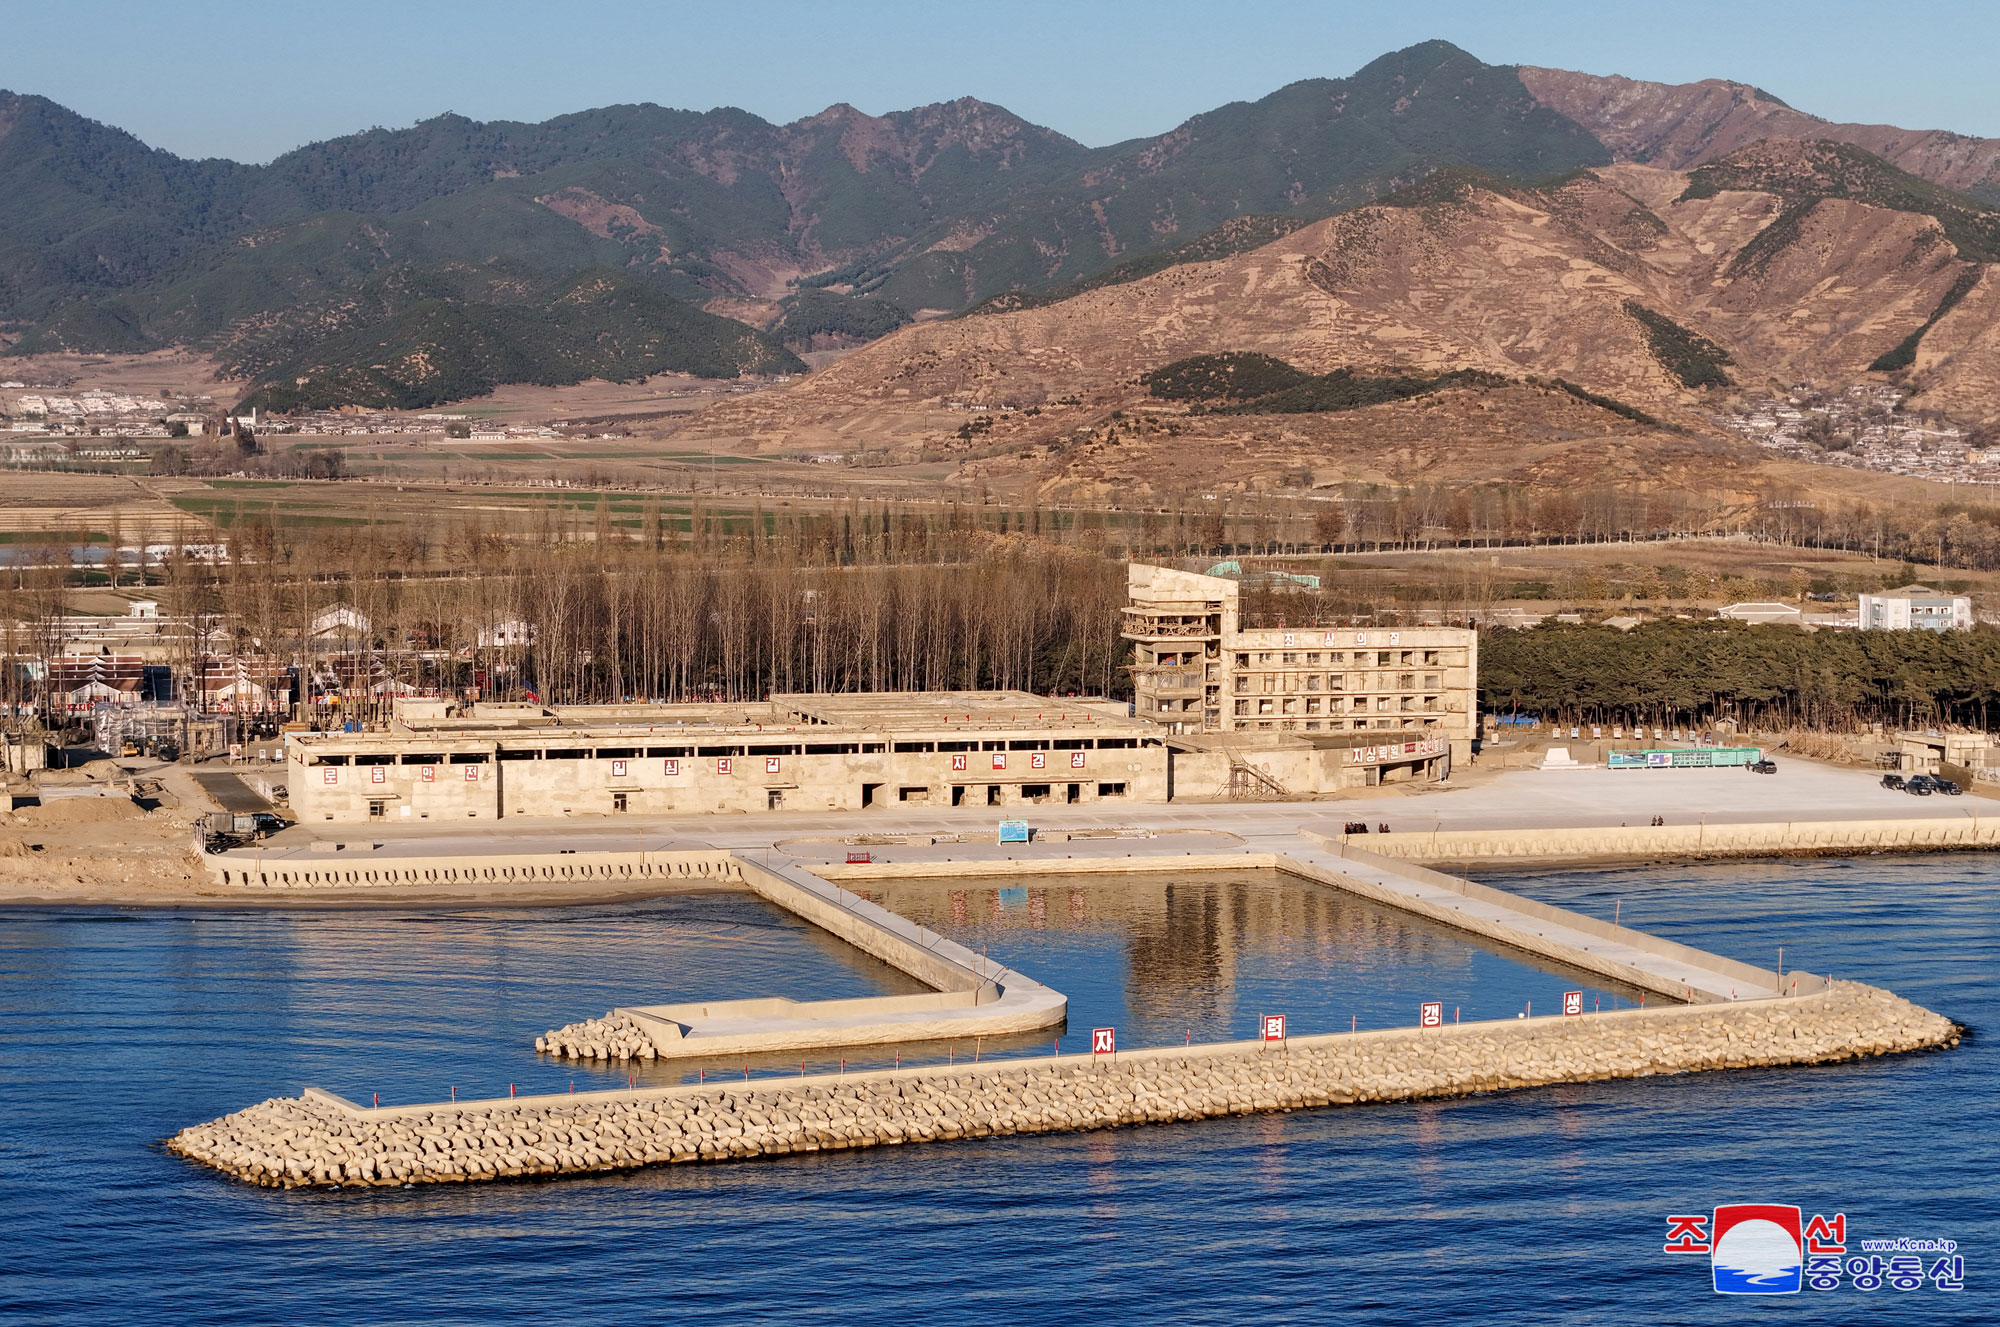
{"x": 612, "y": 1037}
{"x": 320, "y": 1139}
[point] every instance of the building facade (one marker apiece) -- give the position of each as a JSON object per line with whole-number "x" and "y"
{"x": 1915, "y": 608}
{"x": 1387, "y": 696}
{"x": 821, "y": 752}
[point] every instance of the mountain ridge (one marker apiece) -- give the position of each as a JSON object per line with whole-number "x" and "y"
{"x": 107, "y": 244}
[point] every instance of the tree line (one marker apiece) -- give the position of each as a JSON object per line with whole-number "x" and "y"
{"x": 1769, "y": 676}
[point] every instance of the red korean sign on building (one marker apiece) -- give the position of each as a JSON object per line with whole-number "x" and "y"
{"x": 1103, "y": 1041}
{"x": 1076, "y": 760}
{"x": 472, "y": 773}
{"x": 724, "y": 764}
{"x": 672, "y": 769}
{"x": 617, "y": 769}
{"x": 1039, "y": 760}
{"x": 1375, "y": 755}
{"x": 958, "y": 761}
{"x": 430, "y": 774}
{"x": 378, "y": 775}
{"x": 329, "y": 776}
{"x": 999, "y": 760}
{"x": 771, "y": 764}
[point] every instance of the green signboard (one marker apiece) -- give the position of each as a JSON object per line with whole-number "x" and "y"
{"x": 1706, "y": 757}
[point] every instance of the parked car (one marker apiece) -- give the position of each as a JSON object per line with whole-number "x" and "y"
{"x": 1764, "y": 767}
{"x": 1893, "y": 782}
{"x": 1920, "y": 785}
{"x": 1948, "y": 787}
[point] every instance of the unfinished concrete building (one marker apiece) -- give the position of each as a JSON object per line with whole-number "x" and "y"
{"x": 1383, "y": 703}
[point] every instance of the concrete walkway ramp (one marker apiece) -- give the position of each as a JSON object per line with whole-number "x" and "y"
{"x": 971, "y": 997}
{"x": 1572, "y": 938}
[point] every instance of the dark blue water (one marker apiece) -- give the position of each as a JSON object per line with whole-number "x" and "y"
{"x": 1541, "y": 1206}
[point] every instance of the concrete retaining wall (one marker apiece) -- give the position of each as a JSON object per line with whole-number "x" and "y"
{"x": 356, "y": 868}
{"x": 322, "y": 1139}
{"x": 1600, "y": 843}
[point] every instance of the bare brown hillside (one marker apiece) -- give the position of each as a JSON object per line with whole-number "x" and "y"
{"x": 1680, "y": 125}
{"x": 1569, "y": 282}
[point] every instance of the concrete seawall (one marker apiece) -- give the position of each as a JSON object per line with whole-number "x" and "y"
{"x": 322, "y": 1139}
{"x": 1575, "y": 940}
{"x": 1687, "y": 842}
{"x": 359, "y": 867}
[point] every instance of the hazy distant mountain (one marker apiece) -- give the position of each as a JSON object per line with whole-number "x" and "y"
{"x": 830, "y": 230}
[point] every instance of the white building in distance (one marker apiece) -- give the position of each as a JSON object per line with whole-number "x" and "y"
{"x": 1915, "y": 608}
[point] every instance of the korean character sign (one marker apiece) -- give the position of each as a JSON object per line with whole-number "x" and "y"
{"x": 1572, "y": 1003}
{"x": 671, "y": 769}
{"x": 1274, "y": 1027}
{"x": 999, "y": 760}
{"x": 724, "y": 764}
{"x": 617, "y": 769}
{"x": 1867, "y": 1273}
{"x": 1430, "y": 1014}
{"x": 378, "y": 774}
{"x": 430, "y": 773}
{"x": 1103, "y": 1041}
{"x": 1039, "y": 760}
{"x": 1076, "y": 760}
{"x": 472, "y": 773}
{"x": 329, "y": 775}
{"x": 1949, "y": 1273}
{"x": 958, "y": 761}
{"x": 1906, "y": 1271}
{"x": 772, "y": 763}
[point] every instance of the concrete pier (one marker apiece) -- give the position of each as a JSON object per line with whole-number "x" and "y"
{"x": 1721, "y": 1014}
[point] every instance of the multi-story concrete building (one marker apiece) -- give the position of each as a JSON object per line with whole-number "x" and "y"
{"x": 827, "y": 752}
{"x": 1388, "y": 697}
{"x": 1915, "y": 608}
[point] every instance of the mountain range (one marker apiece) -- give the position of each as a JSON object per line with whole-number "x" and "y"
{"x": 407, "y": 267}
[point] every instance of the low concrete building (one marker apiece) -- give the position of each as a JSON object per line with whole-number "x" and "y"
{"x": 1955, "y": 755}
{"x": 1762, "y": 613}
{"x": 832, "y": 752}
{"x": 1915, "y": 608}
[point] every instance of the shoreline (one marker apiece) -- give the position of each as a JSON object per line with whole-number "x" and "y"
{"x": 453, "y": 897}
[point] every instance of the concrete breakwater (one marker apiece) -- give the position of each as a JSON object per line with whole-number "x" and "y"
{"x": 1799, "y": 838}
{"x": 322, "y": 1139}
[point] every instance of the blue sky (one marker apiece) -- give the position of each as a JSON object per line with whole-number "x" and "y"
{"x": 250, "y": 78}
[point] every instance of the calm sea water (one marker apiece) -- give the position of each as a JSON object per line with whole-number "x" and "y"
{"x": 116, "y": 1028}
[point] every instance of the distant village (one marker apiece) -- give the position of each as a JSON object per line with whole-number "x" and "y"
{"x": 1864, "y": 428}
{"x": 39, "y": 420}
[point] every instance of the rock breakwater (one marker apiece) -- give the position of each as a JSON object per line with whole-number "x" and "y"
{"x": 319, "y": 1139}
{"x": 612, "y": 1037}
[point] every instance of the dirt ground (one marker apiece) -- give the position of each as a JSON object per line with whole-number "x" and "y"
{"x": 101, "y": 849}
